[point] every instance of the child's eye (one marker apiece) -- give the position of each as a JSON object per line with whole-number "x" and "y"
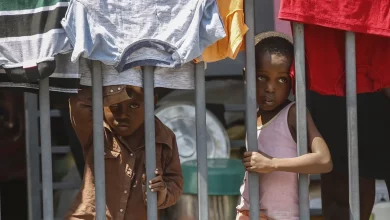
{"x": 283, "y": 80}
{"x": 114, "y": 106}
{"x": 261, "y": 78}
{"x": 133, "y": 106}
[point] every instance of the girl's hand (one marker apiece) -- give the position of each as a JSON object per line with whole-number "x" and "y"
{"x": 258, "y": 162}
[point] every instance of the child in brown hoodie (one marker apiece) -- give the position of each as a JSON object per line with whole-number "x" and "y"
{"x": 124, "y": 156}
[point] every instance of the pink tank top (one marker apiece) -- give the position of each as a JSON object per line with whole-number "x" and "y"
{"x": 278, "y": 190}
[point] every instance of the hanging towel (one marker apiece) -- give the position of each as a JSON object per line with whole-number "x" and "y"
{"x": 30, "y": 36}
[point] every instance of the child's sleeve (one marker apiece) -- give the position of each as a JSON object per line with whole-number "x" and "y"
{"x": 173, "y": 178}
{"x": 80, "y": 108}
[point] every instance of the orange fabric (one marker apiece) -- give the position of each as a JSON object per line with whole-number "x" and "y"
{"x": 232, "y": 14}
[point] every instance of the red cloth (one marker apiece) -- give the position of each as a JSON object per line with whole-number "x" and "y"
{"x": 365, "y": 16}
{"x": 325, "y": 61}
{"x": 325, "y": 45}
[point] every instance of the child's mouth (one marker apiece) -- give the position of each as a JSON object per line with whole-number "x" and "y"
{"x": 123, "y": 125}
{"x": 269, "y": 101}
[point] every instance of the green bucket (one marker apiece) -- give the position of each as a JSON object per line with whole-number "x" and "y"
{"x": 225, "y": 176}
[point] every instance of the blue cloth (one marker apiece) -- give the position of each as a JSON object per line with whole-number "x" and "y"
{"x": 130, "y": 33}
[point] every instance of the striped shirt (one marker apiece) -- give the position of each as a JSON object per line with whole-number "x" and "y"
{"x": 65, "y": 79}
{"x": 31, "y": 32}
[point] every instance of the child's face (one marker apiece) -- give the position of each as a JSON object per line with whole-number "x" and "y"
{"x": 273, "y": 80}
{"x": 126, "y": 117}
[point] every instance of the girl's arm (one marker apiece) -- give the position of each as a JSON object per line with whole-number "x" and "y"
{"x": 317, "y": 161}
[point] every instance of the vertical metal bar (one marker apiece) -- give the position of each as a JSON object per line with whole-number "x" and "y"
{"x": 47, "y": 179}
{"x": 201, "y": 145}
{"x": 32, "y": 156}
{"x": 98, "y": 141}
{"x": 299, "y": 45}
{"x": 350, "y": 56}
{"x": 150, "y": 142}
{"x": 251, "y": 105}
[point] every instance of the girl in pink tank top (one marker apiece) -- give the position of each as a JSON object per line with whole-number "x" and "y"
{"x": 276, "y": 160}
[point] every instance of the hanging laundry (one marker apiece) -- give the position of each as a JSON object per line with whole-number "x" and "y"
{"x": 325, "y": 61}
{"x": 232, "y": 13}
{"x": 325, "y": 26}
{"x": 30, "y": 36}
{"x": 180, "y": 78}
{"x": 133, "y": 33}
{"x": 65, "y": 78}
{"x": 364, "y": 16}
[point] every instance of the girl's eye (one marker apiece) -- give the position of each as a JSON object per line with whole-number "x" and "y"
{"x": 283, "y": 80}
{"x": 261, "y": 78}
{"x": 114, "y": 106}
{"x": 134, "y": 106}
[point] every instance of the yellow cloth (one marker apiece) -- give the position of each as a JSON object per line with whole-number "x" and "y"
{"x": 232, "y": 14}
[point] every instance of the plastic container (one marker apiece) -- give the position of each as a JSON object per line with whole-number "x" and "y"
{"x": 225, "y": 177}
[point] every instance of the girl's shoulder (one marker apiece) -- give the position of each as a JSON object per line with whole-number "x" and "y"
{"x": 292, "y": 120}
{"x": 292, "y": 115}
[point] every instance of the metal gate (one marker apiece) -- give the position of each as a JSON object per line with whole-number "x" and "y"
{"x": 33, "y": 151}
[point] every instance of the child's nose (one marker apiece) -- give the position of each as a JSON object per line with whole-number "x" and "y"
{"x": 122, "y": 114}
{"x": 270, "y": 87}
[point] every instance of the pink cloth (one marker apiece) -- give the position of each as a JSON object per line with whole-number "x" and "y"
{"x": 278, "y": 190}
